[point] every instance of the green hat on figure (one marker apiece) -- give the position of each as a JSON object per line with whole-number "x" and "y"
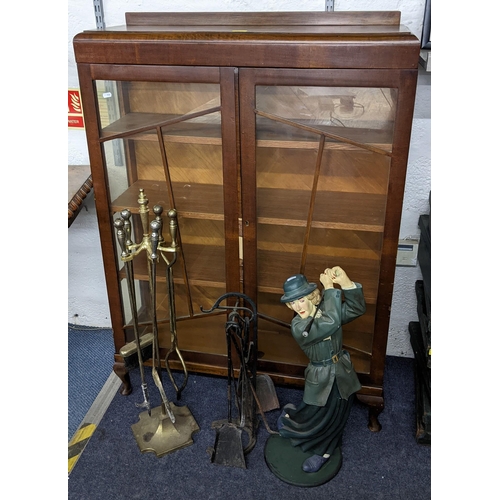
{"x": 295, "y": 287}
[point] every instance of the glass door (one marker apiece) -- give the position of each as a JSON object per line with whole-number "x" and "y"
{"x": 162, "y": 141}
{"x": 320, "y": 157}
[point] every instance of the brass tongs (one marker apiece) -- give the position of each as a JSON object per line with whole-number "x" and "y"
{"x": 171, "y": 298}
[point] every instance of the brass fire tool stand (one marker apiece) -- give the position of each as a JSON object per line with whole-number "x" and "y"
{"x": 168, "y": 427}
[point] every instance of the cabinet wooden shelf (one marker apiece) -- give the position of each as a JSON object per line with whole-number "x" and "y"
{"x": 196, "y": 201}
{"x": 303, "y": 134}
{"x": 209, "y": 267}
{"x": 193, "y": 201}
{"x": 142, "y": 126}
{"x": 282, "y": 140}
{"x": 332, "y": 210}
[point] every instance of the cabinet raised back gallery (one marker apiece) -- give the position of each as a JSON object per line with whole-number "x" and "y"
{"x": 282, "y": 141}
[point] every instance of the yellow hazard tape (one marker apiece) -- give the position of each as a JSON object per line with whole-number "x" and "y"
{"x": 78, "y": 443}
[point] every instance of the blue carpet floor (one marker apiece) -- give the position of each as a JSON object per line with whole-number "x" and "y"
{"x": 388, "y": 465}
{"x": 90, "y": 362}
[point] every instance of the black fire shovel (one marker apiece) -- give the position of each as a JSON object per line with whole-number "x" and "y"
{"x": 228, "y": 447}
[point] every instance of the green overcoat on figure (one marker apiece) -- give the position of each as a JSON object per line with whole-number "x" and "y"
{"x": 321, "y": 371}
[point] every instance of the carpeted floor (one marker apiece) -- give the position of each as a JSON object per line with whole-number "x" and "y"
{"x": 90, "y": 362}
{"x": 385, "y": 465}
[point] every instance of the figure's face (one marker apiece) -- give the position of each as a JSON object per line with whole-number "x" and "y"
{"x": 303, "y": 307}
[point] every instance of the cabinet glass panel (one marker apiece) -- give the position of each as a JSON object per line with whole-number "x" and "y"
{"x": 165, "y": 139}
{"x": 322, "y": 162}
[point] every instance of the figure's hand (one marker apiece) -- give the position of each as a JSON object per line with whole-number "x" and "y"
{"x": 338, "y": 276}
{"x": 326, "y": 280}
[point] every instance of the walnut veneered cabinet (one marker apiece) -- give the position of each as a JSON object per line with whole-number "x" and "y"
{"x": 282, "y": 141}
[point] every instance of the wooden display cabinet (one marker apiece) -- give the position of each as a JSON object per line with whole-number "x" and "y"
{"x": 282, "y": 140}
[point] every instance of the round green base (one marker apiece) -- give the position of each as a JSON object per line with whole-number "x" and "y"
{"x": 285, "y": 461}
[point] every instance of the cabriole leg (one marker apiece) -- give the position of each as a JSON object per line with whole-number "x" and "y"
{"x": 375, "y": 408}
{"x": 123, "y": 374}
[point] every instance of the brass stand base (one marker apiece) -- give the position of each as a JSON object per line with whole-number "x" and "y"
{"x": 157, "y": 433}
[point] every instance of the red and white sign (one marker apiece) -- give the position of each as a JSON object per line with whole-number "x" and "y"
{"x": 75, "y": 110}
